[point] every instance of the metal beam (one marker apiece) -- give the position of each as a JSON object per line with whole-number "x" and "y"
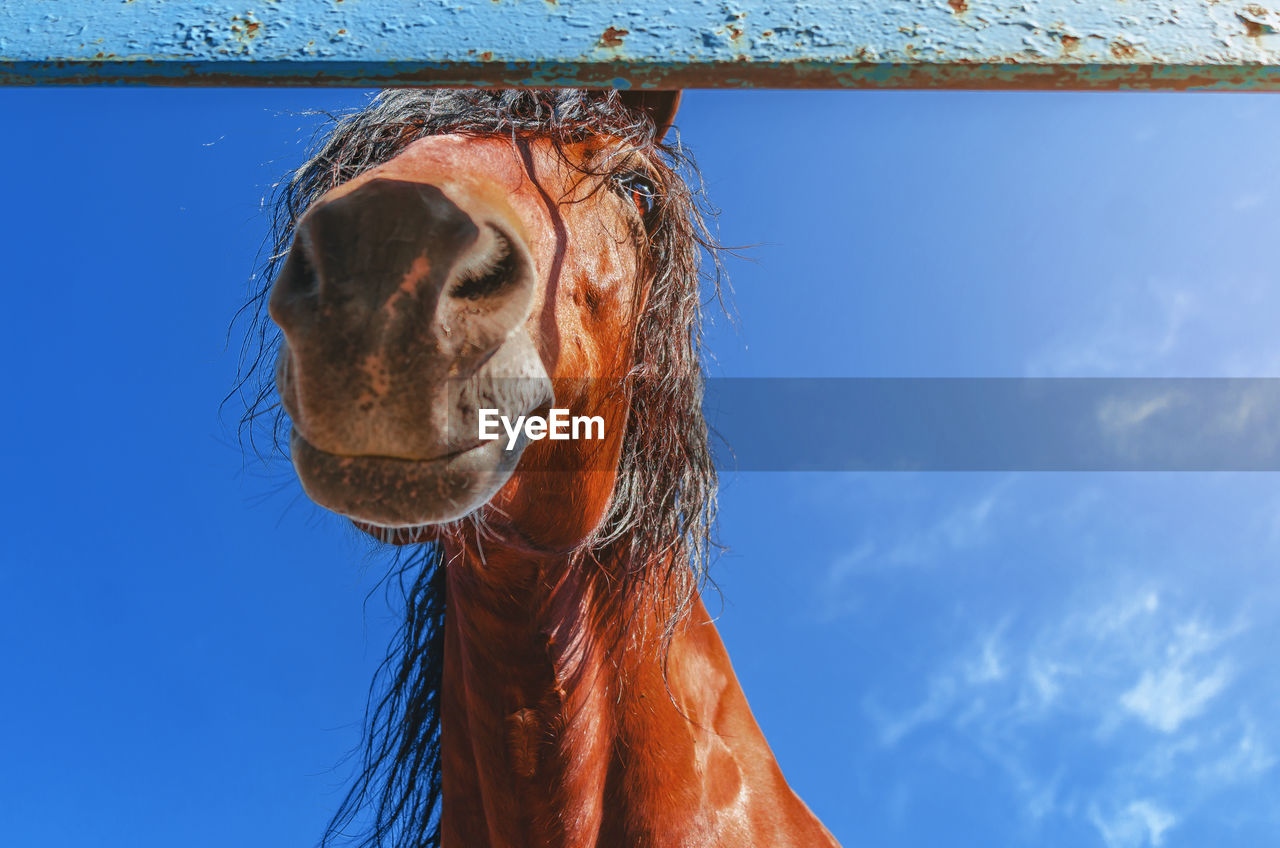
{"x": 1050, "y": 44}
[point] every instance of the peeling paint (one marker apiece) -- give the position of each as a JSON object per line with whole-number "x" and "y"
{"x": 612, "y": 37}
{"x": 245, "y": 28}
{"x": 1122, "y": 50}
{"x": 1217, "y": 44}
{"x": 1257, "y": 21}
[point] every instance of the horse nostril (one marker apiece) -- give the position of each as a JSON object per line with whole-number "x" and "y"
{"x": 491, "y": 273}
{"x": 298, "y": 282}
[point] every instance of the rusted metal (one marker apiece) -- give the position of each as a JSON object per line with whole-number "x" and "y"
{"x": 997, "y": 44}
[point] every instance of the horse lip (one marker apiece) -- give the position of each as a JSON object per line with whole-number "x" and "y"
{"x": 399, "y": 492}
{"x": 386, "y": 456}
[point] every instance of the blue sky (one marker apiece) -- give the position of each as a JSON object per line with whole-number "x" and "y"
{"x": 987, "y": 659}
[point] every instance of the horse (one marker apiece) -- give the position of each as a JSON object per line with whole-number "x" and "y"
{"x": 558, "y": 680}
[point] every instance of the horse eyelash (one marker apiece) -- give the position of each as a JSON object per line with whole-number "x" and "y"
{"x": 617, "y": 183}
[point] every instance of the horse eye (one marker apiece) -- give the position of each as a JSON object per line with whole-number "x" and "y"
{"x": 637, "y": 188}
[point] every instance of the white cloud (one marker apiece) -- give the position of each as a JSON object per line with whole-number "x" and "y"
{"x": 1178, "y": 685}
{"x": 1232, "y": 421}
{"x": 1140, "y": 823}
{"x": 1120, "y": 415}
{"x": 1140, "y": 331}
{"x": 1045, "y": 679}
{"x": 981, "y": 666}
{"x": 1168, "y": 327}
{"x": 964, "y": 526}
{"x": 1120, "y": 614}
{"x": 849, "y": 564}
{"x": 1248, "y": 759}
{"x": 1167, "y": 697}
{"x": 1014, "y": 696}
{"x": 987, "y": 667}
{"x": 935, "y": 706}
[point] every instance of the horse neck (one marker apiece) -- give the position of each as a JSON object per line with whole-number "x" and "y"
{"x": 556, "y": 704}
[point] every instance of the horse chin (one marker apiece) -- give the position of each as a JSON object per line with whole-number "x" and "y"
{"x": 398, "y": 500}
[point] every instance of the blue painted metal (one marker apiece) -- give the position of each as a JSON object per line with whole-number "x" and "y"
{"x": 683, "y": 43}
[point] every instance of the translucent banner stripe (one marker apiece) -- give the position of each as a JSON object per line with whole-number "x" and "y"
{"x": 926, "y": 424}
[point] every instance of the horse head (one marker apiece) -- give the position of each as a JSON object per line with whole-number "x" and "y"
{"x": 504, "y": 259}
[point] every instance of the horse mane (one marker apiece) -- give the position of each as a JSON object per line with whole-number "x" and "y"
{"x": 660, "y": 522}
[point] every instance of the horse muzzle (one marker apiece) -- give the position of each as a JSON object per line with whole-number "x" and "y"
{"x": 404, "y": 313}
